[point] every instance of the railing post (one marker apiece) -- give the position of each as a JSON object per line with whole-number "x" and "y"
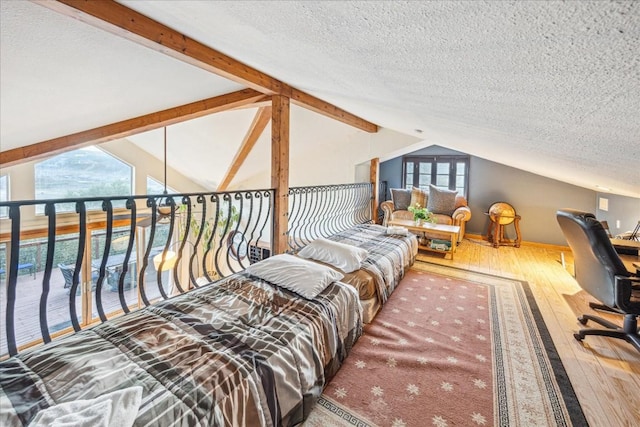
{"x": 280, "y": 170}
{"x": 374, "y": 174}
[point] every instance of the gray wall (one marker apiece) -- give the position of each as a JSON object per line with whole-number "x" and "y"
{"x": 620, "y": 208}
{"x": 535, "y": 198}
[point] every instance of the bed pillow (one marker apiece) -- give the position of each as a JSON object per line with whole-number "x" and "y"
{"x": 401, "y": 198}
{"x": 340, "y": 255}
{"x": 303, "y": 277}
{"x": 441, "y": 201}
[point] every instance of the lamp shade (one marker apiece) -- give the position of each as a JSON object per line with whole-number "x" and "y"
{"x": 169, "y": 260}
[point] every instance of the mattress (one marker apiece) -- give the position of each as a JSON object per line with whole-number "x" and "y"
{"x": 390, "y": 255}
{"x": 236, "y": 352}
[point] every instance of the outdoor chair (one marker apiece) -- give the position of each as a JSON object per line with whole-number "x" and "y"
{"x": 67, "y": 273}
{"x": 601, "y": 273}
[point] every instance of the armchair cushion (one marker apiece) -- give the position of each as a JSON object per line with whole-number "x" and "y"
{"x": 441, "y": 201}
{"x": 401, "y": 198}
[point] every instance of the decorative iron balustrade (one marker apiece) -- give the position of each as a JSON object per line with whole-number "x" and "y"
{"x": 133, "y": 251}
{"x": 321, "y": 211}
{"x": 119, "y": 259}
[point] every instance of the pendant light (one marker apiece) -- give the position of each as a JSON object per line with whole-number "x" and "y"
{"x": 164, "y": 207}
{"x": 166, "y": 259}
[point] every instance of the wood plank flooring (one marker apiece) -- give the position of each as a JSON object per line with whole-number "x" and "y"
{"x": 604, "y": 372}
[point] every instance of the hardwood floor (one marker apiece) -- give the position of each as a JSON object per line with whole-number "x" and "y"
{"x": 604, "y": 372}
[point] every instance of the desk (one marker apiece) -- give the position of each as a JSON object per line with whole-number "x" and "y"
{"x": 631, "y": 263}
{"x": 623, "y": 246}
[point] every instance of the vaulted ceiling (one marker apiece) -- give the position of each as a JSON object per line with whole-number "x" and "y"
{"x": 549, "y": 87}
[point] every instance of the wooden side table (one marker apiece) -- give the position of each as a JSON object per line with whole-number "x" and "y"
{"x": 448, "y": 231}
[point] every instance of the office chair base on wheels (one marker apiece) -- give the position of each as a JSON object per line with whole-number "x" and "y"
{"x": 602, "y": 307}
{"x": 629, "y": 331}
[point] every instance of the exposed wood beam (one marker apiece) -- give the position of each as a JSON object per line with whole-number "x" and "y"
{"x": 260, "y": 121}
{"x": 122, "y": 21}
{"x": 129, "y": 127}
{"x": 265, "y": 102}
{"x": 131, "y": 25}
{"x": 280, "y": 170}
{"x": 319, "y": 106}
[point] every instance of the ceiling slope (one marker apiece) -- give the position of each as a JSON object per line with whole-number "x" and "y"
{"x": 549, "y": 87}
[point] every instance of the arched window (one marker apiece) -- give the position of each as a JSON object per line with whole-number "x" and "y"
{"x": 86, "y": 172}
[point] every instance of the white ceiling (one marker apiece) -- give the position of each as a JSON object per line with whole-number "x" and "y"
{"x": 548, "y": 87}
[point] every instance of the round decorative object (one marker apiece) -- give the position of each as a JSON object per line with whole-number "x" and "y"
{"x": 237, "y": 245}
{"x": 502, "y": 213}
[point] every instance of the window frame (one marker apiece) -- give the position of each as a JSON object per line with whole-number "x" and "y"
{"x": 4, "y": 212}
{"x": 453, "y": 160}
{"x": 93, "y": 206}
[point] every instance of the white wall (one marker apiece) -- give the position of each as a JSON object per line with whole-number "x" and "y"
{"x": 333, "y": 161}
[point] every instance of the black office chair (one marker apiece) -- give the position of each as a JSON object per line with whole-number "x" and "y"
{"x": 600, "y": 272}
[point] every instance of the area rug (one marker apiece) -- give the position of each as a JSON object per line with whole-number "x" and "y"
{"x": 452, "y": 348}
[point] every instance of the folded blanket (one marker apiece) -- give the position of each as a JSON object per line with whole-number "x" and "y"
{"x": 116, "y": 409}
{"x": 401, "y": 231}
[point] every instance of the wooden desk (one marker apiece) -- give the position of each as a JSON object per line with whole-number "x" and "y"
{"x": 631, "y": 263}
{"x": 450, "y": 231}
{"x": 626, "y": 247}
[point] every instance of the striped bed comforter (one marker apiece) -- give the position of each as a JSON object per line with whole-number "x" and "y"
{"x": 389, "y": 254}
{"x": 237, "y": 352}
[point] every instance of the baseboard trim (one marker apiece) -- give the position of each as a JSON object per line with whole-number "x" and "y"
{"x": 524, "y": 242}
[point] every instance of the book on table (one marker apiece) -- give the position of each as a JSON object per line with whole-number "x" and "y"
{"x": 441, "y": 245}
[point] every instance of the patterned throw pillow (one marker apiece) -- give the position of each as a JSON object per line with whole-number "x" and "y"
{"x": 401, "y": 199}
{"x": 419, "y": 196}
{"x": 441, "y": 201}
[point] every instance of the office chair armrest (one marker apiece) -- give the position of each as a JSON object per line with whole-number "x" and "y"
{"x": 625, "y": 287}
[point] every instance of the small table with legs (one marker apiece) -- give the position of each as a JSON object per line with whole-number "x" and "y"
{"x": 447, "y": 231}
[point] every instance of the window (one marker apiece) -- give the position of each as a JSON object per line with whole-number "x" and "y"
{"x": 4, "y": 195}
{"x": 87, "y": 172}
{"x": 450, "y": 172}
{"x": 156, "y": 187}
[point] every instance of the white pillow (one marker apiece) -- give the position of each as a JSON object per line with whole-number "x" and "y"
{"x": 345, "y": 257}
{"x": 303, "y": 277}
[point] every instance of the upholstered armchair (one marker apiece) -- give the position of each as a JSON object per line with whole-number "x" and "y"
{"x": 457, "y": 213}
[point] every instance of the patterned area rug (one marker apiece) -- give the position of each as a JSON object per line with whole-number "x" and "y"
{"x": 452, "y": 348}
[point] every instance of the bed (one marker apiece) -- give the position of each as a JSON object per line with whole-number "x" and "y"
{"x": 241, "y": 351}
{"x": 388, "y": 257}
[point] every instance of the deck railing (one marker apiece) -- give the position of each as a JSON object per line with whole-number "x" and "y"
{"x": 133, "y": 251}
{"x": 154, "y": 247}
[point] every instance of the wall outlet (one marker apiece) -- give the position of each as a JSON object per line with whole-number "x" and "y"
{"x": 617, "y": 223}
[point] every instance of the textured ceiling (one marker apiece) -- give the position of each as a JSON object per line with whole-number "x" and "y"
{"x": 548, "y": 87}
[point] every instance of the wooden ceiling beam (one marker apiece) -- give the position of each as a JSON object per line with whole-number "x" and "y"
{"x": 130, "y": 127}
{"x": 258, "y": 125}
{"x": 122, "y": 21}
{"x": 317, "y": 105}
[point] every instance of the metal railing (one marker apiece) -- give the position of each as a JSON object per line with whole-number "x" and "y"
{"x": 158, "y": 245}
{"x": 149, "y": 248}
{"x": 321, "y": 211}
